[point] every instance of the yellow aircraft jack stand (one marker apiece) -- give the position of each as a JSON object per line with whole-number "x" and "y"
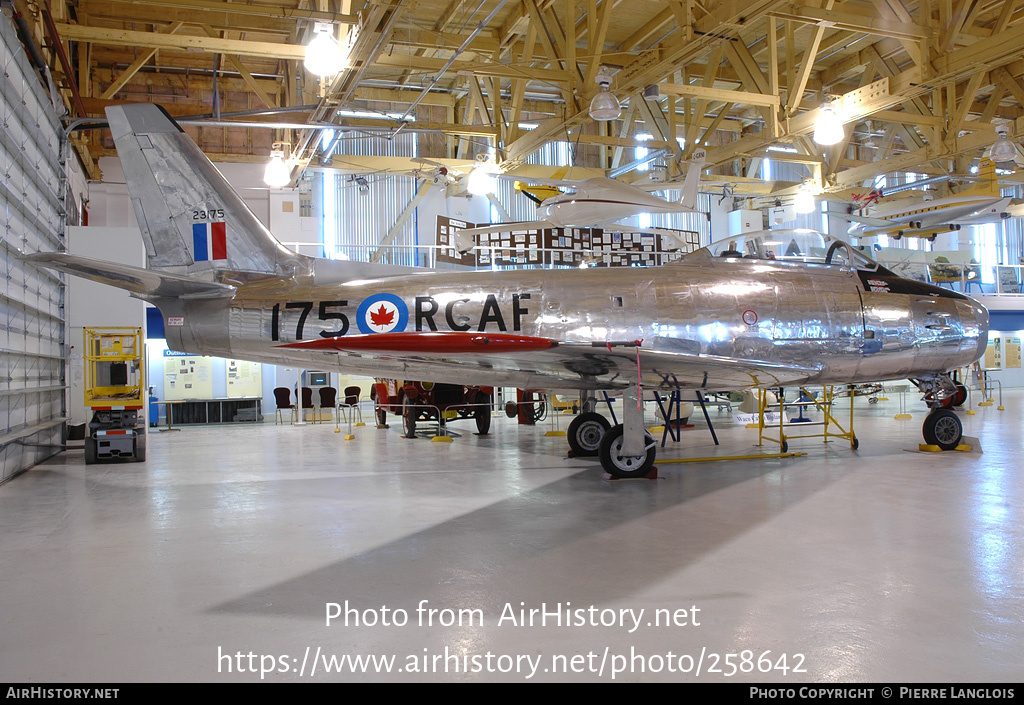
{"x": 824, "y": 405}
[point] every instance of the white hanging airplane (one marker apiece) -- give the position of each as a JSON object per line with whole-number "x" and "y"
{"x": 598, "y": 202}
{"x": 981, "y": 203}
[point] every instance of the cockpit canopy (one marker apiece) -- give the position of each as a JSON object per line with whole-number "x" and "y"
{"x": 794, "y": 245}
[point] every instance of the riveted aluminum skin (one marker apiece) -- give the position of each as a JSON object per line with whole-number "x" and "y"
{"x": 710, "y": 324}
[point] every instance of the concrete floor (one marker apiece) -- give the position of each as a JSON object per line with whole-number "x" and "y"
{"x": 884, "y": 564}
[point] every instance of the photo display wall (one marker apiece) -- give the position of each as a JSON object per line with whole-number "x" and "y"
{"x": 561, "y": 246}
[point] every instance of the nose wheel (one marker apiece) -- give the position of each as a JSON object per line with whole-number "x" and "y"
{"x": 942, "y": 428}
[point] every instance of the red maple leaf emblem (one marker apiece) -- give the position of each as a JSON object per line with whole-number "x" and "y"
{"x": 382, "y": 317}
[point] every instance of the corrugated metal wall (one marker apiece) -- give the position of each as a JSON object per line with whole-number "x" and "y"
{"x": 362, "y": 218}
{"x": 32, "y": 324}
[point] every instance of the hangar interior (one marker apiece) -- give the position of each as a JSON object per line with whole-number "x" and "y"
{"x": 883, "y": 563}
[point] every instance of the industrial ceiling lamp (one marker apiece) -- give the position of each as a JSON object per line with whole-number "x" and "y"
{"x": 324, "y": 55}
{"x": 278, "y": 174}
{"x": 605, "y": 106}
{"x": 804, "y": 201}
{"x": 828, "y": 128}
{"x": 1003, "y": 152}
{"x": 482, "y": 180}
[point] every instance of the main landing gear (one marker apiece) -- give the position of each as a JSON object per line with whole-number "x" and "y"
{"x": 585, "y": 433}
{"x": 627, "y": 450}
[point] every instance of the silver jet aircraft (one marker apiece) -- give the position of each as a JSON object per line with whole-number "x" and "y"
{"x": 781, "y": 308}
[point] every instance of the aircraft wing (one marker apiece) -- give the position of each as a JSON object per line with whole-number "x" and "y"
{"x": 567, "y": 184}
{"x": 543, "y": 363}
{"x": 137, "y": 280}
{"x": 662, "y": 186}
{"x": 865, "y": 220}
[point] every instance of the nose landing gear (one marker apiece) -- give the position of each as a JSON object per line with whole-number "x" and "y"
{"x": 942, "y": 427}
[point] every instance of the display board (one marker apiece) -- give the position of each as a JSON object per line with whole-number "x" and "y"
{"x": 187, "y": 376}
{"x": 445, "y": 237}
{"x": 1012, "y": 353}
{"x": 243, "y": 378}
{"x": 1008, "y": 283}
{"x": 994, "y": 354}
{"x": 568, "y": 247}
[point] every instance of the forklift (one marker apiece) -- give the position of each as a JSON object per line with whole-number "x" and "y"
{"x": 114, "y": 376}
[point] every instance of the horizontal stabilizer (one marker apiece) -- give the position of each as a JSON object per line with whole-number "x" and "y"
{"x": 429, "y": 342}
{"x": 137, "y": 280}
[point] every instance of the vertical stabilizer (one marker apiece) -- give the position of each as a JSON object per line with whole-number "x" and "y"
{"x": 191, "y": 219}
{"x": 688, "y": 199}
{"x": 988, "y": 180}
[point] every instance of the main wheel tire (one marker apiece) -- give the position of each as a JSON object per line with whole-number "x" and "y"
{"x": 585, "y": 434}
{"x": 140, "y": 449}
{"x": 90, "y": 451}
{"x": 409, "y": 414}
{"x": 482, "y": 414}
{"x": 625, "y": 466}
{"x": 382, "y": 416}
{"x": 942, "y": 428}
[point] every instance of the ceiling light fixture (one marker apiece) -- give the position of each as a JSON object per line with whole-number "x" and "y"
{"x": 804, "y": 201}
{"x": 1003, "y": 152}
{"x": 278, "y": 174}
{"x": 482, "y": 180}
{"x": 604, "y": 106}
{"x": 324, "y": 55}
{"x": 828, "y": 128}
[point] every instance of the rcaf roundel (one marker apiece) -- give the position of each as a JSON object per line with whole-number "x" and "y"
{"x": 382, "y": 313}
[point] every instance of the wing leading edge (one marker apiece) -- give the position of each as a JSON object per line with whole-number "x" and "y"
{"x": 545, "y": 363}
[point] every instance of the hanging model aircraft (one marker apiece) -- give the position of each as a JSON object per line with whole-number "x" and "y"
{"x": 981, "y": 203}
{"x": 597, "y": 202}
{"x": 780, "y": 309}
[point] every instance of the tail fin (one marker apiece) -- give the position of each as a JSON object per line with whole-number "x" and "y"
{"x": 988, "y": 180}
{"x": 189, "y": 215}
{"x": 688, "y": 198}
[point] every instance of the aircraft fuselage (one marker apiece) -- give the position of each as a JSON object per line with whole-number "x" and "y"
{"x": 602, "y": 200}
{"x": 941, "y": 211}
{"x": 853, "y": 326}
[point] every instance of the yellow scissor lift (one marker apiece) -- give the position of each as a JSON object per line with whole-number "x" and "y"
{"x": 824, "y": 405}
{"x": 114, "y": 385}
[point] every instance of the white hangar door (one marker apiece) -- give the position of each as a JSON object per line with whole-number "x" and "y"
{"x": 32, "y": 322}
